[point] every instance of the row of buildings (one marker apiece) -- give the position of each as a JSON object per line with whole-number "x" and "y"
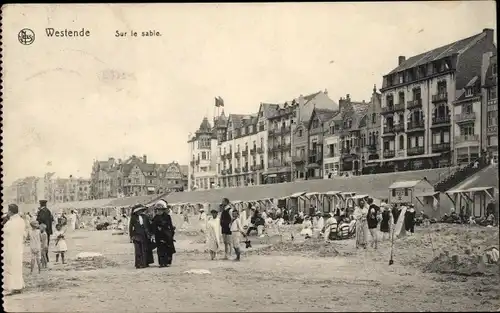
{"x": 435, "y": 109}
{"x": 113, "y": 178}
{"x": 32, "y": 189}
{"x": 135, "y": 176}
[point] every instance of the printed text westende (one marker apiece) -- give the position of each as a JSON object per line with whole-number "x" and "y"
{"x": 51, "y": 32}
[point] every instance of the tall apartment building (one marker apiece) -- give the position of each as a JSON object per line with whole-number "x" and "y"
{"x": 351, "y": 137}
{"x": 279, "y": 140}
{"x": 300, "y": 146}
{"x": 203, "y": 153}
{"x": 490, "y": 105}
{"x": 417, "y": 120}
{"x": 241, "y": 156}
{"x": 317, "y": 128}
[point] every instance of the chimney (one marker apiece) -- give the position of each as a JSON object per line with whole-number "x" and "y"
{"x": 145, "y": 158}
{"x": 326, "y": 91}
{"x": 489, "y": 34}
{"x": 348, "y": 97}
{"x": 301, "y": 100}
{"x": 401, "y": 59}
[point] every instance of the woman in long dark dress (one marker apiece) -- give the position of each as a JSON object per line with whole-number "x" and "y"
{"x": 140, "y": 235}
{"x": 385, "y": 224}
{"x": 164, "y": 232}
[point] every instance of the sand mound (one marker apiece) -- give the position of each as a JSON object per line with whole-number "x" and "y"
{"x": 310, "y": 247}
{"x": 465, "y": 265}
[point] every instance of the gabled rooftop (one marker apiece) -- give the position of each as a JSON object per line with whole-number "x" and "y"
{"x": 448, "y": 50}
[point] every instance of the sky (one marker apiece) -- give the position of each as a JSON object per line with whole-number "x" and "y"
{"x": 68, "y": 101}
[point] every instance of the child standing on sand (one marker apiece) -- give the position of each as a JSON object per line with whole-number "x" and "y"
{"x": 61, "y": 246}
{"x": 35, "y": 245}
{"x": 44, "y": 241}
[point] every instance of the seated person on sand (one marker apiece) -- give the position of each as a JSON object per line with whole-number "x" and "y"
{"x": 307, "y": 228}
{"x": 330, "y": 227}
{"x": 320, "y": 224}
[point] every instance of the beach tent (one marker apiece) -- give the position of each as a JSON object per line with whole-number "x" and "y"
{"x": 476, "y": 198}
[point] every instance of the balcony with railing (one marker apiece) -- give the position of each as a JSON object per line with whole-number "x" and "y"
{"x": 440, "y": 147}
{"x": 492, "y": 129}
{"x": 260, "y": 150}
{"x": 237, "y": 170}
{"x": 253, "y": 151}
{"x": 372, "y": 147}
{"x": 229, "y": 171}
{"x": 286, "y": 129}
{"x": 244, "y": 152}
{"x": 415, "y": 103}
{"x": 197, "y": 162}
{"x": 415, "y": 125}
{"x": 229, "y": 155}
{"x": 440, "y": 97}
{"x": 393, "y": 108}
{"x": 237, "y": 154}
{"x": 466, "y": 138}
{"x": 286, "y": 147}
{"x": 244, "y": 169}
{"x": 441, "y": 120}
{"x": 256, "y": 167}
{"x": 388, "y": 129}
{"x": 223, "y": 172}
{"x": 191, "y": 163}
{"x": 465, "y": 117}
{"x": 415, "y": 151}
{"x": 297, "y": 159}
{"x": 388, "y": 154}
{"x": 270, "y": 132}
{"x": 398, "y": 128}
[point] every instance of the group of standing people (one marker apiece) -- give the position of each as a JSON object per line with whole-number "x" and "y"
{"x": 40, "y": 230}
{"x": 147, "y": 234}
{"x": 227, "y": 227}
{"x": 370, "y": 218}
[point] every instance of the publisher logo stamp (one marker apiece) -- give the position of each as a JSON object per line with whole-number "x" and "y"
{"x": 26, "y": 36}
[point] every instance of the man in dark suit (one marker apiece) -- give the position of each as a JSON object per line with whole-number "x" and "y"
{"x": 225, "y": 223}
{"x": 44, "y": 216}
{"x": 140, "y": 234}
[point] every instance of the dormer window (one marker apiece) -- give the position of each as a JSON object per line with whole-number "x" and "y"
{"x": 468, "y": 92}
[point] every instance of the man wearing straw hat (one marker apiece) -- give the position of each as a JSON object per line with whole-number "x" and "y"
{"x": 140, "y": 234}
{"x": 164, "y": 232}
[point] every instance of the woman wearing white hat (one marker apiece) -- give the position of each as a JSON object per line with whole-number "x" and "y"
{"x": 140, "y": 235}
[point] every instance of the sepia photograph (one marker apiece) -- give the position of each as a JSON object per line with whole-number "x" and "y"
{"x": 230, "y": 157}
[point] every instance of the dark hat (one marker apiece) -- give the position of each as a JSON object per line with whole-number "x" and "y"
{"x": 43, "y": 202}
{"x": 214, "y": 210}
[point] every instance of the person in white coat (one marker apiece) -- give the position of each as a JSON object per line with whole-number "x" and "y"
{"x": 72, "y": 220}
{"x": 213, "y": 234}
{"x": 13, "y": 240}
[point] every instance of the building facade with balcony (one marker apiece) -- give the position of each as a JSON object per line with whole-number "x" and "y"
{"x": 202, "y": 171}
{"x": 467, "y": 127}
{"x": 370, "y": 135}
{"x": 241, "y": 158}
{"x": 279, "y": 143}
{"x": 352, "y": 125}
{"x": 490, "y": 105}
{"x": 317, "y": 129}
{"x": 417, "y": 100}
{"x": 300, "y": 151}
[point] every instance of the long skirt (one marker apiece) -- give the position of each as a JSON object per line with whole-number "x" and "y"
{"x": 361, "y": 233}
{"x": 141, "y": 249}
{"x": 165, "y": 254}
